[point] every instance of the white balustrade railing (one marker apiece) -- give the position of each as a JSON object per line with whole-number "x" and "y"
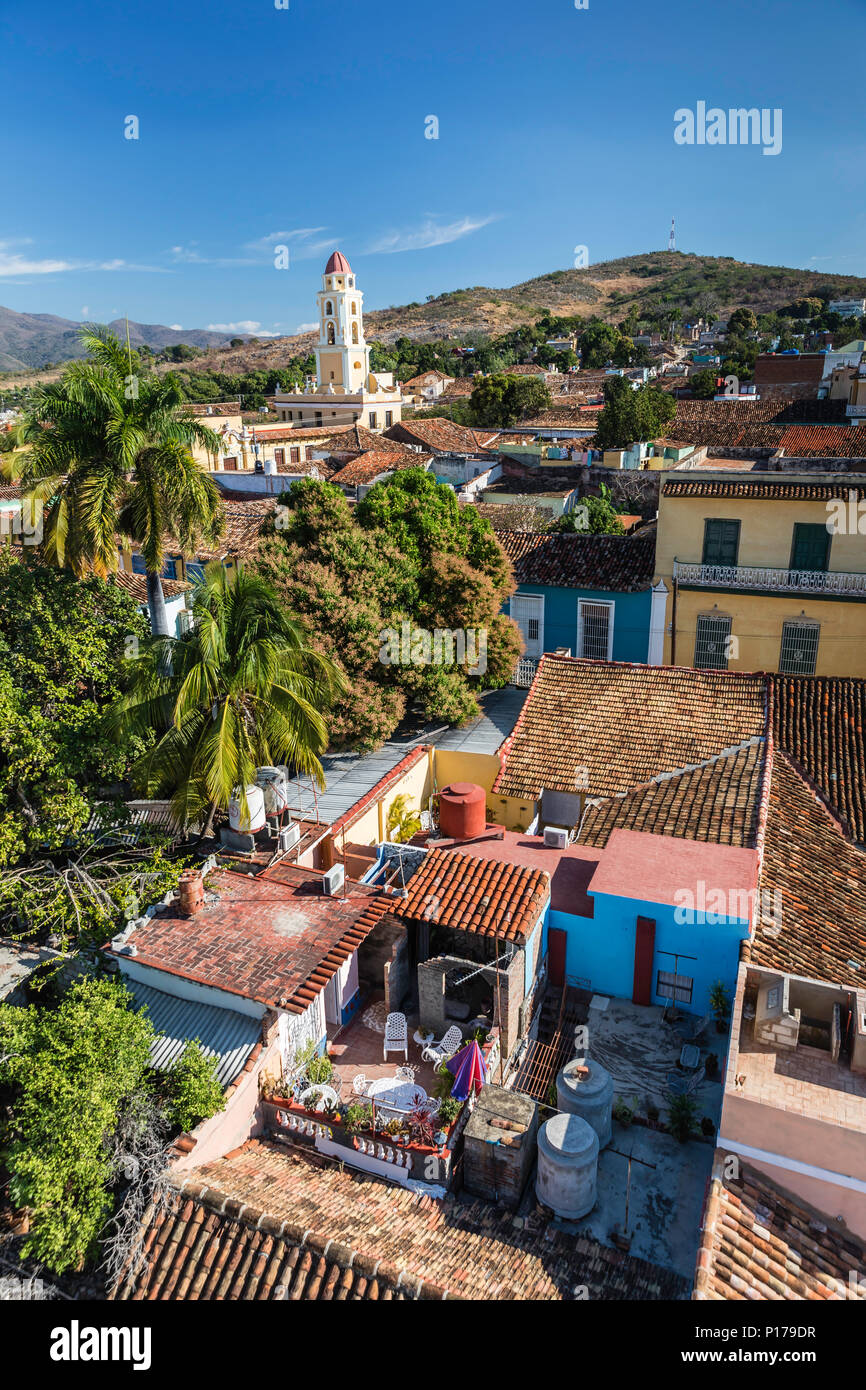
{"x": 772, "y": 580}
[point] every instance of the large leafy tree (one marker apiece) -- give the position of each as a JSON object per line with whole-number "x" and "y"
{"x": 409, "y": 560}
{"x": 108, "y": 448}
{"x": 63, "y": 644}
{"x": 630, "y": 415}
{"x": 77, "y": 1084}
{"x": 503, "y": 399}
{"x": 244, "y": 689}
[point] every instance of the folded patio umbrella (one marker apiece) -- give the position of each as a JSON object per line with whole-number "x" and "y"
{"x": 468, "y": 1069}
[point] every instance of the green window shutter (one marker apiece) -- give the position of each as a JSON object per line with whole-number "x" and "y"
{"x": 811, "y": 547}
{"x": 721, "y": 541}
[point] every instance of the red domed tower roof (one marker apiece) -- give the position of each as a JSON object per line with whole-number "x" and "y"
{"x": 338, "y": 264}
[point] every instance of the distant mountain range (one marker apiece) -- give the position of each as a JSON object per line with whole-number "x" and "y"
{"x": 31, "y": 340}
{"x": 606, "y": 290}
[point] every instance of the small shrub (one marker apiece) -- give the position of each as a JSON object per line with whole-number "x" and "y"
{"x": 707, "y": 1126}
{"x": 356, "y": 1117}
{"x": 319, "y": 1070}
{"x": 192, "y": 1091}
{"x": 449, "y": 1109}
{"x": 682, "y": 1117}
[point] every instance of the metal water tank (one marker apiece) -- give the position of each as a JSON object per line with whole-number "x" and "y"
{"x": 590, "y": 1096}
{"x": 254, "y": 819}
{"x": 462, "y": 811}
{"x": 272, "y": 781}
{"x": 567, "y": 1166}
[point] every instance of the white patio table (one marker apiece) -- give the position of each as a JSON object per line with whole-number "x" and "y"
{"x": 391, "y": 1094}
{"x": 327, "y": 1093}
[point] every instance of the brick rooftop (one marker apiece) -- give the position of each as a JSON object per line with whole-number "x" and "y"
{"x": 270, "y": 939}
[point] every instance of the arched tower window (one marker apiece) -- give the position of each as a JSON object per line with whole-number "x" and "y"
{"x": 354, "y": 307}
{"x": 331, "y": 338}
{"x": 329, "y": 308}
{"x": 354, "y": 333}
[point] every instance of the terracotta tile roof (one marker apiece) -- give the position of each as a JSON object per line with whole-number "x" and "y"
{"x": 375, "y": 462}
{"x": 353, "y": 439}
{"x": 262, "y": 1218}
{"x": 820, "y": 877}
{"x": 513, "y": 516}
{"x": 821, "y": 722}
{"x": 474, "y": 895}
{"x": 718, "y": 803}
{"x": 282, "y": 432}
{"x": 620, "y": 563}
{"x": 415, "y": 383}
{"x": 202, "y": 1244}
{"x": 840, "y": 441}
{"x": 624, "y": 723}
{"x": 758, "y": 489}
{"x": 214, "y": 408}
{"x": 441, "y": 436}
{"x": 136, "y": 585}
{"x": 761, "y": 1242}
{"x": 269, "y": 938}
{"x": 569, "y": 416}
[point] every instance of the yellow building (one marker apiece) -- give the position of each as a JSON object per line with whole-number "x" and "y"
{"x": 344, "y": 391}
{"x": 764, "y": 572}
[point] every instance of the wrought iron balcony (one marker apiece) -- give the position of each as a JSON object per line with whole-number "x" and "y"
{"x": 832, "y": 583}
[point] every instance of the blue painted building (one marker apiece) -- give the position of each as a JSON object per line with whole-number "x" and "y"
{"x": 592, "y": 595}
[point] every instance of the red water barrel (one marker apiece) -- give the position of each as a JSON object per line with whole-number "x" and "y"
{"x": 462, "y": 811}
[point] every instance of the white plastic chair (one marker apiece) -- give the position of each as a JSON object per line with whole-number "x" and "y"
{"x": 396, "y": 1039}
{"x": 360, "y": 1084}
{"x": 405, "y": 1073}
{"x": 439, "y": 1052}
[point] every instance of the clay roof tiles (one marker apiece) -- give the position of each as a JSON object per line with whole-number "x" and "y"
{"x": 620, "y": 724}
{"x": 480, "y": 896}
{"x": 620, "y": 563}
{"x": 265, "y": 1224}
{"x": 760, "y": 1242}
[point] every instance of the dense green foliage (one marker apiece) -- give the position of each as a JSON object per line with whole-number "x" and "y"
{"x": 69, "y": 1073}
{"x": 631, "y": 415}
{"x": 407, "y": 554}
{"x": 242, "y": 690}
{"x": 501, "y": 400}
{"x": 63, "y": 644}
{"x": 191, "y": 1090}
{"x": 594, "y": 516}
{"x": 70, "y": 1070}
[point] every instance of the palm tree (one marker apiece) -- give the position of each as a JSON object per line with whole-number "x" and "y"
{"x": 109, "y": 449}
{"x": 243, "y": 689}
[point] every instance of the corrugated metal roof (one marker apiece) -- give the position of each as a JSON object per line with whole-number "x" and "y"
{"x": 222, "y": 1033}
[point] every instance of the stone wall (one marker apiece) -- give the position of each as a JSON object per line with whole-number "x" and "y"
{"x": 433, "y": 999}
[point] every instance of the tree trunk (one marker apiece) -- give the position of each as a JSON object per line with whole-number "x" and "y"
{"x": 156, "y": 607}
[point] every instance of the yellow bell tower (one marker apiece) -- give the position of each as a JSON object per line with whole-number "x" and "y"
{"x": 342, "y": 356}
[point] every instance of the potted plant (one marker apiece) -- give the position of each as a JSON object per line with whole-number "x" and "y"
{"x": 623, "y": 1112}
{"x": 711, "y": 1066}
{"x": 356, "y": 1117}
{"x": 449, "y": 1109}
{"x": 708, "y": 1128}
{"x": 682, "y": 1113}
{"x": 421, "y": 1129}
{"x": 720, "y": 1004}
{"x": 311, "y": 1100}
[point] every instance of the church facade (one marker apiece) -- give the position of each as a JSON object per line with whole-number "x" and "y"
{"x": 344, "y": 389}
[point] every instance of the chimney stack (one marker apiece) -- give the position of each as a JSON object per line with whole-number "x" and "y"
{"x": 191, "y": 889}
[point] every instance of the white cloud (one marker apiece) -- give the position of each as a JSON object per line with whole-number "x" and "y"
{"x": 429, "y": 233}
{"x": 15, "y": 263}
{"x": 306, "y": 328}
{"x": 242, "y": 326}
{"x": 176, "y": 327}
{"x": 85, "y": 311}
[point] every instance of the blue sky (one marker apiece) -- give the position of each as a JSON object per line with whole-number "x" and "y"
{"x": 305, "y": 127}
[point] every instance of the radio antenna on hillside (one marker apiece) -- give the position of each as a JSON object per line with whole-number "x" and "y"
{"x": 672, "y": 239}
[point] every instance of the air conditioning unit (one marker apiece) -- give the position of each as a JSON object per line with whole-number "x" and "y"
{"x": 289, "y": 836}
{"x": 555, "y": 837}
{"x": 333, "y": 880}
